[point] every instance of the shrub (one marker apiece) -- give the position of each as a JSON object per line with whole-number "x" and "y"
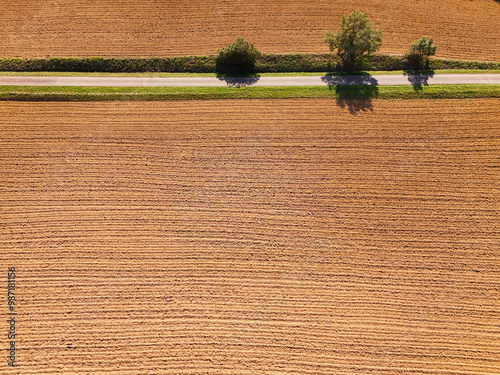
{"x": 239, "y": 57}
{"x": 418, "y": 55}
{"x": 355, "y": 41}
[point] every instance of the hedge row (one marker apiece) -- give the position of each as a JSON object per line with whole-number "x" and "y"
{"x": 185, "y": 64}
{"x": 266, "y": 63}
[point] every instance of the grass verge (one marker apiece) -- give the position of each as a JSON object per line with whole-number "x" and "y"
{"x": 51, "y": 93}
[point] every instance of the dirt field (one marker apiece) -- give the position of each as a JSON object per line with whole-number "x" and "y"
{"x": 252, "y": 237}
{"x": 462, "y": 29}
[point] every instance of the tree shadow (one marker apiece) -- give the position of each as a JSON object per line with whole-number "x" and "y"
{"x": 347, "y": 74}
{"x": 238, "y": 80}
{"x": 419, "y": 78}
{"x": 353, "y": 92}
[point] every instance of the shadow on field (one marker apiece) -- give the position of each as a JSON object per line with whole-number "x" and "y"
{"x": 353, "y": 92}
{"x": 239, "y": 81}
{"x": 418, "y": 79}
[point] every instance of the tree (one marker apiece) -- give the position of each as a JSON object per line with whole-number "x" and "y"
{"x": 239, "y": 57}
{"x": 355, "y": 41}
{"x": 418, "y": 55}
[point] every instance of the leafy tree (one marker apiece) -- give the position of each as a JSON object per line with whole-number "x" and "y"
{"x": 239, "y": 57}
{"x": 355, "y": 41}
{"x": 418, "y": 55}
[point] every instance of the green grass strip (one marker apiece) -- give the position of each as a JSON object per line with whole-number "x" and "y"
{"x": 52, "y": 93}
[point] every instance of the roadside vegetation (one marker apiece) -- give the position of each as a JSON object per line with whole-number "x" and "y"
{"x": 51, "y": 93}
{"x": 355, "y": 42}
{"x": 419, "y": 53}
{"x": 266, "y": 63}
{"x": 237, "y": 58}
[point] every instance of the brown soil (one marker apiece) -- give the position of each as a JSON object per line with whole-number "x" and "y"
{"x": 462, "y": 29}
{"x": 252, "y": 237}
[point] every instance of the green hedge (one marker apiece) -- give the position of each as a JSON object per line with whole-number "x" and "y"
{"x": 459, "y": 64}
{"x": 185, "y": 64}
{"x": 295, "y": 63}
{"x": 266, "y": 63}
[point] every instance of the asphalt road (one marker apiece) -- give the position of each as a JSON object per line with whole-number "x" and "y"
{"x": 417, "y": 79}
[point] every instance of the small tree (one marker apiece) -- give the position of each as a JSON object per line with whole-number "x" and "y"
{"x": 418, "y": 55}
{"x": 355, "y": 41}
{"x": 239, "y": 57}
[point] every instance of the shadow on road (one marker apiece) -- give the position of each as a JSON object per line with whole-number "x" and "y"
{"x": 239, "y": 81}
{"x": 353, "y": 92}
{"x": 418, "y": 79}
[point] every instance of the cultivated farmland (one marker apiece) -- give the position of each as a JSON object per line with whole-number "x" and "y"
{"x": 253, "y": 237}
{"x": 463, "y": 29}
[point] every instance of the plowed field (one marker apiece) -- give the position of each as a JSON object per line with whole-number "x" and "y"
{"x": 462, "y": 29}
{"x": 252, "y": 237}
